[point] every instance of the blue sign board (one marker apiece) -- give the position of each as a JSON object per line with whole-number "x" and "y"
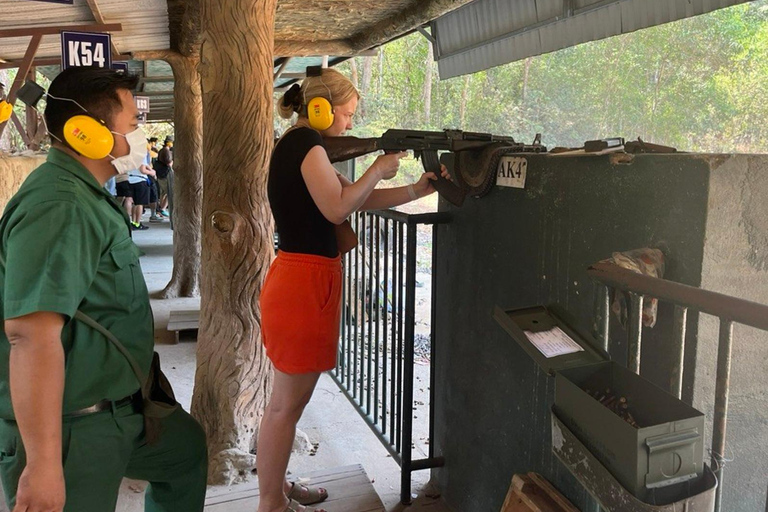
{"x": 67, "y": 2}
{"x": 85, "y": 49}
{"x": 120, "y": 65}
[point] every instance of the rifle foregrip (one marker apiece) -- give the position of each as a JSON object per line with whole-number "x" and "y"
{"x": 446, "y": 188}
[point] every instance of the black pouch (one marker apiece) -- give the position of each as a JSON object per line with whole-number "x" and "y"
{"x": 157, "y": 398}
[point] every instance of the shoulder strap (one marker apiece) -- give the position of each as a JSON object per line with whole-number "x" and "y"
{"x": 82, "y": 317}
{"x": 79, "y": 315}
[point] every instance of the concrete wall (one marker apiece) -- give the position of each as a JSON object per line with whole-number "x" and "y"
{"x": 13, "y": 171}
{"x": 736, "y": 263}
{"x": 525, "y": 247}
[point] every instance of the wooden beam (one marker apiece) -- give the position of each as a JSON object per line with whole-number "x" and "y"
{"x": 100, "y": 19}
{"x": 20, "y": 129}
{"x": 24, "y": 68}
{"x": 154, "y": 79}
{"x": 32, "y": 117}
{"x": 49, "y": 31}
{"x": 51, "y": 61}
{"x": 406, "y": 20}
{"x": 281, "y": 68}
{"x": 152, "y": 94}
{"x": 341, "y": 47}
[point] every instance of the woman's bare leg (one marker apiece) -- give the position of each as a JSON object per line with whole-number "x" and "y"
{"x": 290, "y": 394}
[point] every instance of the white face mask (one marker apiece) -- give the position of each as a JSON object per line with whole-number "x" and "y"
{"x": 137, "y": 142}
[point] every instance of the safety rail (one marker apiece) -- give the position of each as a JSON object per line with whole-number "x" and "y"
{"x": 729, "y": 310}
{"x": 375, "y": 368}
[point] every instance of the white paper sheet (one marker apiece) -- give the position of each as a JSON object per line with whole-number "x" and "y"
{"x": 553, "y": 342}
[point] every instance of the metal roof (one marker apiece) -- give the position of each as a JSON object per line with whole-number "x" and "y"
{"x": 488, "y": 33}
{"x": 144, "y": 24}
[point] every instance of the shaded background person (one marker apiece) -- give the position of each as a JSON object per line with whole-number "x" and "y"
{"x": 71, "y": 418}
{"x": 164, "y": 167}
{"x": 301, "y": 297}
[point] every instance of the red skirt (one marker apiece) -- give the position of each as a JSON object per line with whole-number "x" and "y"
{"x": 301, "y": 312}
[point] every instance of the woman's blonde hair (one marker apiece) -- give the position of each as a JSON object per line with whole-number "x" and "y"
{"x": 331, "y": 85}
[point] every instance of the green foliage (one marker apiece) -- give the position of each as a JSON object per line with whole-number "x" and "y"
{"x": 700, "y": 84}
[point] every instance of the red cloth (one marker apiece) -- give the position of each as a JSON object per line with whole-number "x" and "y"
{"x": 301, "y": 312}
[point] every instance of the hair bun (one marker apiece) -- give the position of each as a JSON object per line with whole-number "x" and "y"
{"x": 292, "y": 97}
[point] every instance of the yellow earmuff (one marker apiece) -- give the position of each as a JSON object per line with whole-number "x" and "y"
{"x": 320, "y": 113}
{"x": 6, "y": 109}
{"x": 89, "y": 137}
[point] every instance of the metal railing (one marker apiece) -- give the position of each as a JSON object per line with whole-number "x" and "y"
{"x": 375, "y": 368}
{"x": 728, "y": 309}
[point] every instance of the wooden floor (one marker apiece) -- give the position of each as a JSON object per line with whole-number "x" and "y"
{"x": 349, "y": 490}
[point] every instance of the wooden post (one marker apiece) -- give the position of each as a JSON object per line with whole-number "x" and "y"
{"x": 187, "y": 179}
{"x": 234, "y": 376}
{"x": 32, "y": 118}
{"x": 24, "y": 68}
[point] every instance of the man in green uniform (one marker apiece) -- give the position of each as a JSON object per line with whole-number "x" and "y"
{"x": 71, "y": 425}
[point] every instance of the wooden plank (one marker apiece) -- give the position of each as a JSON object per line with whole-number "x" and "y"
{"x": 51, "y": 61}
{"x": 47, "y": 31}
{"x": 532, "y": 493}
{"x": 553, "y": 493}
{"x": 183, "y": 320}
{"x": 349, "y": 489}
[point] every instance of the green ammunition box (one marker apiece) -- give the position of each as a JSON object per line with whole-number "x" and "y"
{"x": 657, "y": 460}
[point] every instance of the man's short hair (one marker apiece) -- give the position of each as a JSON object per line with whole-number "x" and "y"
{"x": 92, "y": 87}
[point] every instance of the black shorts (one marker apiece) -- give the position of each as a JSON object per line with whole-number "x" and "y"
{"x": 123, "y": 189}
{"x": 140, "y": 193}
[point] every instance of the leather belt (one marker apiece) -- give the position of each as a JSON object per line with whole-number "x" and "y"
{"x": 104, "y": 405}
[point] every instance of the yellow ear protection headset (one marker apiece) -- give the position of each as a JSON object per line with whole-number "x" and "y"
{"x": 6, "y": 109}
{"x": 319, "y": 109}
{"x": 84, "y": 133}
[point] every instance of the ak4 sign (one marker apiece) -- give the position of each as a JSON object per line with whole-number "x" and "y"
{"x": 85, "y": 49}
{"x": 511, "y": 172}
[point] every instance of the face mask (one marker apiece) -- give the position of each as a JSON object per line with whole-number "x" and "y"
{"x": 137, "y": 142}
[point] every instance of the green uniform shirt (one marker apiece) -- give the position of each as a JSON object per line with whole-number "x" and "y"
{"x": 67, "y": 245}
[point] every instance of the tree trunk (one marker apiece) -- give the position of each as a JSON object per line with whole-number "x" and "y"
{"x": 366, "y": 84}
{"x": 526, "y": 71}
{"x": 429, "y": 65}
{"x": 380, "y": 82}
{"x": 234, "y": 376}
{"x": 353, "y": 68}
{"x": 188, "y": 178}
{"x": 463, "y": 106}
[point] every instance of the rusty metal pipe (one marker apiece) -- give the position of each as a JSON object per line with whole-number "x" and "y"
{"x": 724, "y": 351}
{"x": 716, "y": 304}
{"x": 634, "y": 348}
{"x": 678, "y": 336}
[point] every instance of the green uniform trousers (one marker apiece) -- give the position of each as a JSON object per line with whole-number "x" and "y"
{"x": 101, "y": 448}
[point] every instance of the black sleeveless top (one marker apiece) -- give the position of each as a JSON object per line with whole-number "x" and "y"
{"x": 300, "y": 225}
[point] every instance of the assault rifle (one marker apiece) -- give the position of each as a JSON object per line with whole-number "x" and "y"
{"x": 424, "y": 145}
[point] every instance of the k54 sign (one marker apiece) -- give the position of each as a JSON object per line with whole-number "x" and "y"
{"x": 85, "y": 49}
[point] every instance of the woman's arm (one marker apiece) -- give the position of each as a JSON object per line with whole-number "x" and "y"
{"x": 335, "y": 202}
{"x": 383, "y": 198}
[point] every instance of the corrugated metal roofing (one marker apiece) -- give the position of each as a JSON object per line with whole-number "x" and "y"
{"x": 145, "y": 24}
{"x": 488, "y": 33}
